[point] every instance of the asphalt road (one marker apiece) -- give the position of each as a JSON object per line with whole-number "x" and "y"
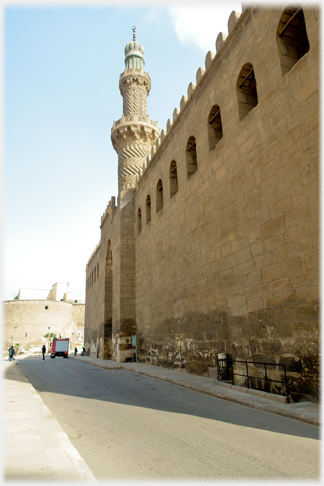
{"x": 127, "y": 425}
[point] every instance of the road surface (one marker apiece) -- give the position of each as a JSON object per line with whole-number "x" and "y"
{"x": 126, "y": 425}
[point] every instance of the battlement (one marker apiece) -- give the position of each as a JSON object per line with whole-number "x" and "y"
{"x": 110, "y": 210}
{"x": 222, "y": 41}
{"x": 93, "y": 253}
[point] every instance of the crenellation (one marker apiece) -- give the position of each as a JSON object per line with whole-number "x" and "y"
{"x": 176, "y": 113}
{"x": 232, "y": 21}
{"x": 200, "y": 73}
{"x": 220, "y": 41}
{"x": 183, "y": 102}
{"x": 209, "y": 59}
{"x": 191, "y": 89}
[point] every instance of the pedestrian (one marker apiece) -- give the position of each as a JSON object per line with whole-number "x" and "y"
{"x": 11, "y": 352}
{"x": 75, "y": 351}
{"x": 43, "y": 351}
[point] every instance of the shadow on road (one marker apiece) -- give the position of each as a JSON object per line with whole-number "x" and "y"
{"x": 71, "y": 378}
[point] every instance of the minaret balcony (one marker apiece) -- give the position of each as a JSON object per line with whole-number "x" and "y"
{"x": 137, "y": 119}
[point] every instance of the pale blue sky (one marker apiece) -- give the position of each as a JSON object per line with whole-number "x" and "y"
{"x": 61, "y": 96}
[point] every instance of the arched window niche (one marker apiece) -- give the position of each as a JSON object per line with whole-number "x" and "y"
{"x": 139, "y": 221}
{"x": 191, "y": 156}
{"x": 159, "y": 196}
{"x": 292, "y": 39}
{"x": 246, "y": 90}
{"x": 215, "y": 130}
{"x": 173, "y": 178}
{"x": 148, "y": 209}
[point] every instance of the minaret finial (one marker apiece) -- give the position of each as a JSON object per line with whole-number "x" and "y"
{"x": 134, "y": 34}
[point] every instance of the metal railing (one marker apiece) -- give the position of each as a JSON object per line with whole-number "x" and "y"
{"x": 227, "y": 372}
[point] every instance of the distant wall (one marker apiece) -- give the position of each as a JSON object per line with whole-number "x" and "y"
{"x": 26, "y": 322}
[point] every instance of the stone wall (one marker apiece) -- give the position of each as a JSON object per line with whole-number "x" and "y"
{"x": 110, "y": 299}
{"x": 230, "y": 262}
{"x": 27, "y": 321}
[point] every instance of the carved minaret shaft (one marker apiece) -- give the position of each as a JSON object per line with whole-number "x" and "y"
{"x": 135, "y": 133}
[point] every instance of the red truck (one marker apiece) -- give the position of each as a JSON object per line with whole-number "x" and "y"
{"x": 60, "y": 347}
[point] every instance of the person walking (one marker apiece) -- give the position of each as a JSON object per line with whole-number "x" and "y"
{"x": 43, "y": 351}
{"x": 11, "y": 352}
{"x": 75, "y": 351}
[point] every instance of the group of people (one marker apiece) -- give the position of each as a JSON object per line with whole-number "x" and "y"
{"x": 12, "y": 352}
{"x": 83, "y": 352}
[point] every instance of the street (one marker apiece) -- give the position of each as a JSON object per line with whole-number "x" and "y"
{"x": 126, "y": 425}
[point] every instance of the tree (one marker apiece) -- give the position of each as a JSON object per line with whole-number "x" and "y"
{"x": 50, "y": 335}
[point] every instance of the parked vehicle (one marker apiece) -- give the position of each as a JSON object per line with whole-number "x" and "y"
{"x": 60, "y": 347}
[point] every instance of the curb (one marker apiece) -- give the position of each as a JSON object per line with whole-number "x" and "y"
{"x": 265, "y": 407}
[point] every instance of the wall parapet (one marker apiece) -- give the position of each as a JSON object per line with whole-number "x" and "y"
{"x": 94, "y": 251}
{"x": 110, "y": 210}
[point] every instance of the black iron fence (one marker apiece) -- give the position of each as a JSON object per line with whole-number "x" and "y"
{"x": 225, "y": 371}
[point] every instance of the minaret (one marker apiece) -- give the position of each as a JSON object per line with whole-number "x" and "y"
{"x": 135, "y": 133}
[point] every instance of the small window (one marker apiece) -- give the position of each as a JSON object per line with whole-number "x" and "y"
{"x": 46, "y": 307}
{"x": 246, "y": 91}
{"x": 148, "y": 209}
{"x": 159, "y": 196}
{"x": 173, "y": 178}
{"x": 139, "y": 221}
{"x": 25, "y": 334}
{"x": 97, "y": 270}
{"x": 191, "y": 151}
{"x": 215, "y": 131}
{"x": 95, "y": 274}
{"x": 292, "y": 37}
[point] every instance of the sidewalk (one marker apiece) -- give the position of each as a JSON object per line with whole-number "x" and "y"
{"x": 35, "y": 445}
{"x": 305, "y": 411}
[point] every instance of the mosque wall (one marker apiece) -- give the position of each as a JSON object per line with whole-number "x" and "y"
{"x": 216, "y": 248}
{"x": 230, "y": 262}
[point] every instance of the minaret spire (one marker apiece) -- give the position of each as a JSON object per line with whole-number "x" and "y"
{"x": 135, "y": 133}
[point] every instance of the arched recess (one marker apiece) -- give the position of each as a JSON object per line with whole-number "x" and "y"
{"x": 246, "y": 89}
{"x": 173, "y": 178}
{"x": 148, "y": 209}
{"x": 191, "y": 156}
{"x": 139, "y": 221}
{"x": 108, "y": 302}
{"x": 215, "y": 130}
{"x": 159, "y": 196}
{"x": 292, "y": 39}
